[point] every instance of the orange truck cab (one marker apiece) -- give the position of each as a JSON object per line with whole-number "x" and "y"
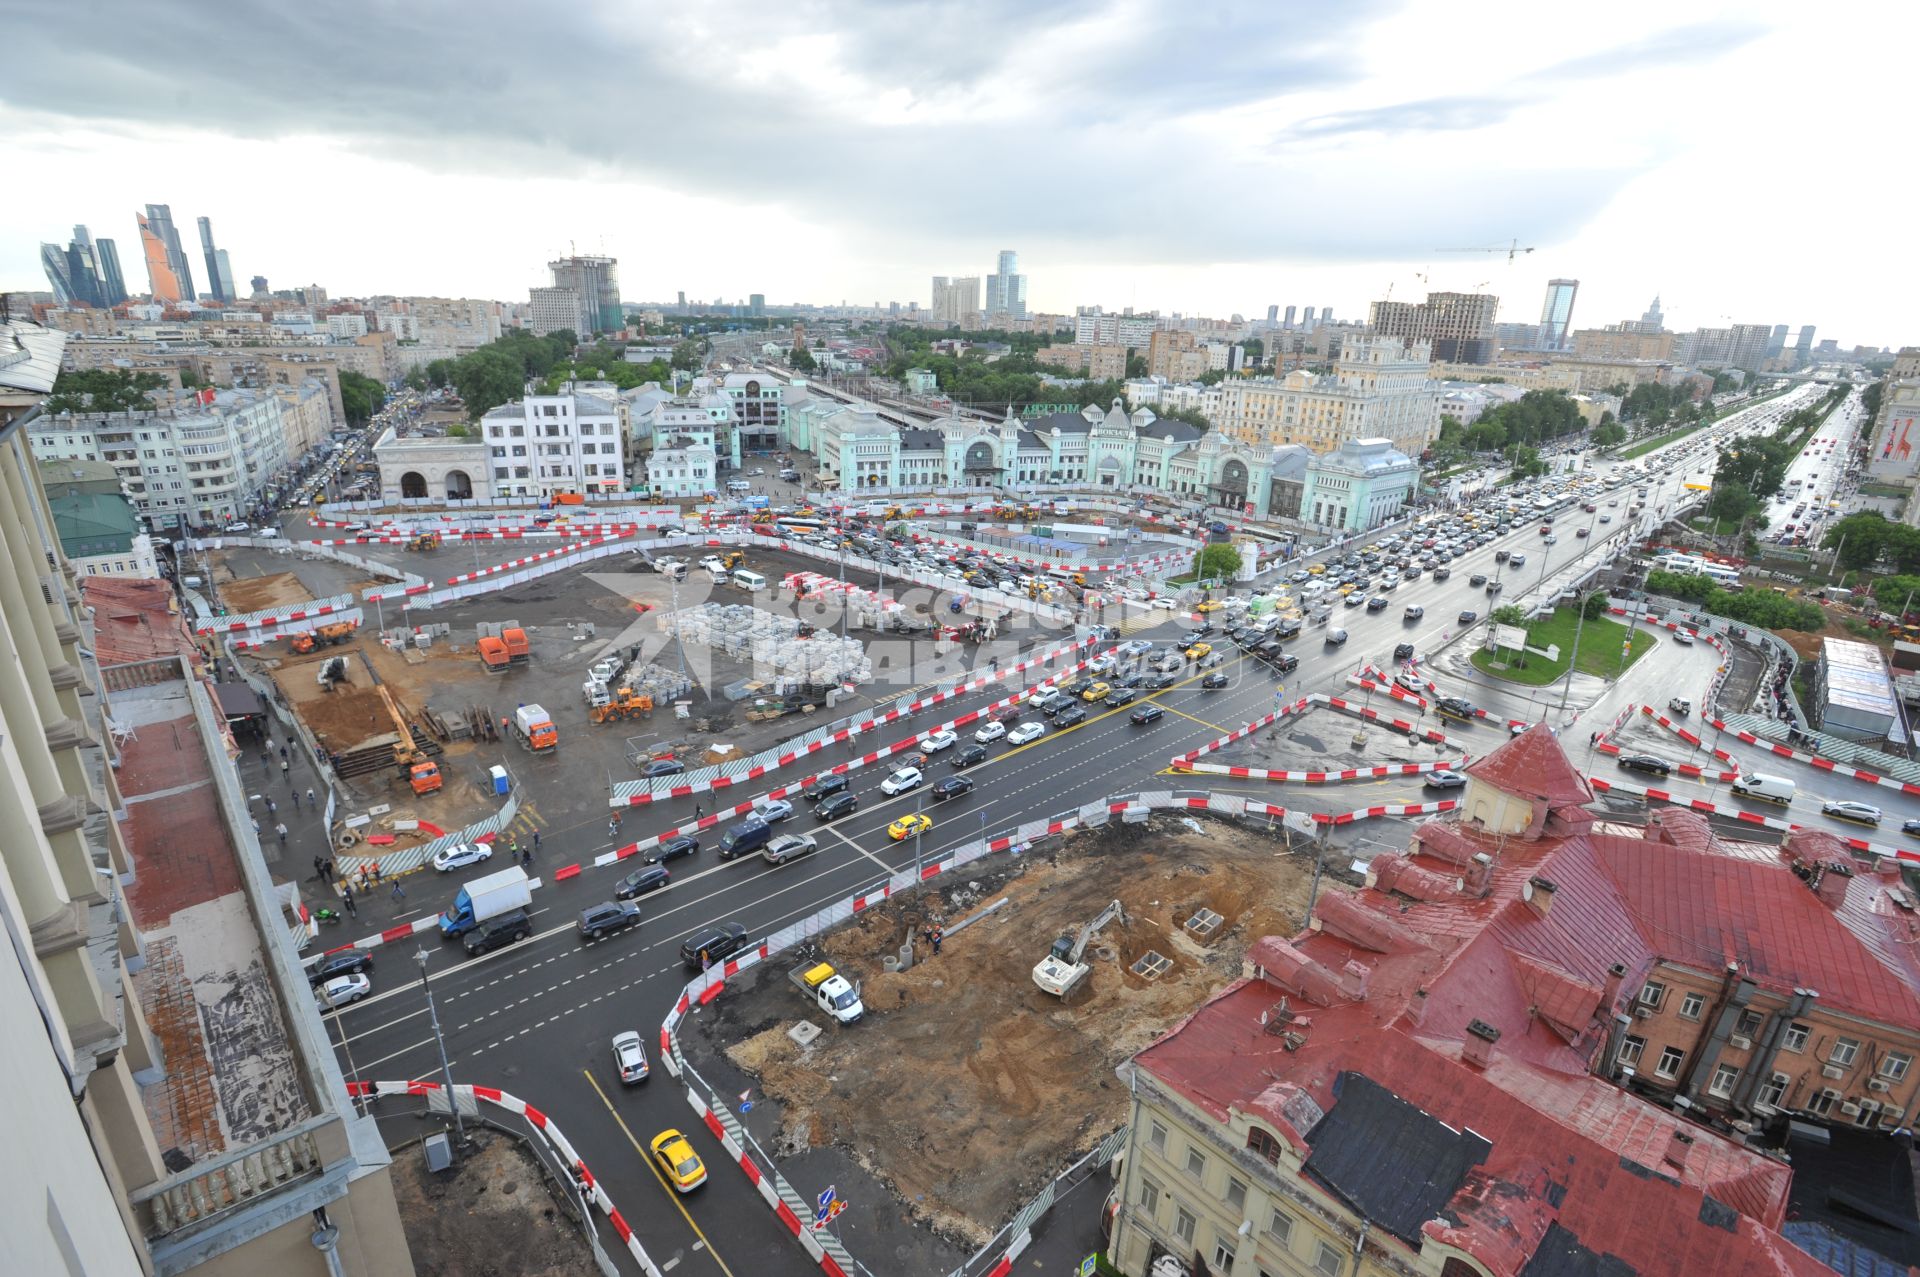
{"x": 424, "y": 777}
{"x": 493, "y": 655}
{"x": 534, "y": 726}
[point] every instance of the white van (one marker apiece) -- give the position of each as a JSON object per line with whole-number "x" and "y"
{"x": 739, "y": 485}
{"x": 752, "y": 582}
{"x": 1773, "y": 789}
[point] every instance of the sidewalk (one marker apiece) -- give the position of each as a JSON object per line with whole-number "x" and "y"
{"x": 261, "y": 781}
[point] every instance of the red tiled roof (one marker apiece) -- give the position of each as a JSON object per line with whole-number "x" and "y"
{"x": 1532, "y": 765}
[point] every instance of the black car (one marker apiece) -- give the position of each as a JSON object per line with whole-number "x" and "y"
{"x": 1444, "y": 779}
{"x": 1442, "y": 573}
{"x": 1477, "y": 580}
{"x": 1286, "y": 662}
{"x": 1268, "y": 650}
{"x": 1146, "y": 714}
{"x": 1403, "y": 652}
{"x": 1500, "y": 556}
{"x": 613, "y": 915}
{"x": 1070, "y": 715}
{"x": 826, "y": 787}
{"x": 1121, "y": 696}
{"x": 674, "y": 848}
{"x": 1910, "y": 827}
{"x": 1154, "y": 682}
{"x": 1455, "y": 707}
{"x": 1468, "y": 617}
{"x": 663, "y": 767}
{"x": 1494, "y": 587}
{"x": 1289, "y": 628}
{"x": 1378, "y": 603}
{"x": 1131, "y": 680}
{"x": 1075, "y": 688}
{"x": 499, "y": 931}
{"x": 339, "y": 962}
{"x": 641, "y": 881}
{"x": 712, "y": 944}
{"x": 836, "y": 806}
{"x": 1214, "y": 681}
{"x": 1651, "y": 764}
{"x": 970, "y": 756}
{"x": 952, "y": 787}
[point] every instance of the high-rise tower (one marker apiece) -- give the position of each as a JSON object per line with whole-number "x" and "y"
{"x": 169, "y": 277}
{"x": 1556, "y": 313}
{"x": 219, "y": 282}
{"x": 1007, "y": 287}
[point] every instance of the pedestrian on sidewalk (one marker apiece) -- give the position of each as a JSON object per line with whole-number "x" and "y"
{"x": 266, "y": 757}
{"x": 283, "y": 754}
{"x": 283, "y": 772}
{"x": 613, "y": 827}
{"x": 269, "y": 742}
{"x": 536, "y": 840}
{"x": 353, "y": 908}
{"x": 281, "y": 830}
{"x": 296, "y": 800}
{"x": 376, "y": 873}
{"x": 273, "y": 808}
{"x": 310, "y": 801}
{"x": 696, "y": 811}
{"x": 399, "y": 892}
{"x": 363, "y": 877}
{"x": 319, "y": 868}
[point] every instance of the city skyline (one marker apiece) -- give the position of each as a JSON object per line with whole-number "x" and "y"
{"x": 1570, "y": 138}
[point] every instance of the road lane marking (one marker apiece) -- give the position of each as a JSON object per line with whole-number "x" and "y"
{"x": 665, "y": 1187}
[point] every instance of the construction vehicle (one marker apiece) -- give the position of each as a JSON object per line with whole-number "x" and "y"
{"x": 502, "y": 645}
{"x": 622, "y": 704}
{"x": 332, "y": 670}
{"x": 425, "y": 541}
{"x": 828, "y": 990}
{"x": 493, "y": 654}
{"x": 1062, "y": 970}
{"x": 533, "y": 727}
{"x": 326, "y": 636}
{"x": 421, "y": 772}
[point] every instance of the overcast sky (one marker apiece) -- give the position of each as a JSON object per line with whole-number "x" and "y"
{"x": 1737, "y": 159}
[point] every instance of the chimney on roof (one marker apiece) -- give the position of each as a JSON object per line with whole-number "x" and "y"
{"x": 1678, "y": 1146}
{"x": 1830, "y": 882}
{"x": 1478, "y": 880}
{"x": 1539, "y": 893}
{"x": 1417, "y": 1007}
{"x": 1353, "y": 980}
{"x": 1610, "y": 990}
{"x": 1477, "y": 1048}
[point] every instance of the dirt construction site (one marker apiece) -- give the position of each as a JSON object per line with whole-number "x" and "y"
{"x": 966, "y": 1087}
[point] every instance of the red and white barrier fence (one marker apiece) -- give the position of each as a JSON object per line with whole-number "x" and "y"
{"x": 1811, "y": 760}
{"x": 1734, "y": 813}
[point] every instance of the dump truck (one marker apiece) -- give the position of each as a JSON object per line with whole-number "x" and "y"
{"x": 533, "y": 727}
{"x": 518, "y": 650}
{"x": 493, "y": 655}
{"x": 425, "y": 541}
{"x": 325, "y": 636}
{"x": 424, "y": 777}
{"x": 828, "y": 990}
{"x": 487, "y": 896}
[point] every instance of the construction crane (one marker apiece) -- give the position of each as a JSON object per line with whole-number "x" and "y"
{"x": 1062, "y": 970}
{"x": 1512, "y": 250}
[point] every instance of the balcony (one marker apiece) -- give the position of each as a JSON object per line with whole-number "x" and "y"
{"x": 189, "y": 1202}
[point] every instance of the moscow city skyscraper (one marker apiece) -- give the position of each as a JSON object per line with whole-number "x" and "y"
{"x": 219, "y": 270}
{"x": 169, "y": 275}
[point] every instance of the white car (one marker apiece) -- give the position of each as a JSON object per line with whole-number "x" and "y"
{"x": 1102, "y": 664}
{"x": 1026, "y": 732}
{"x": 1166, "y": 604}
{"x": 630, "y": 1057}
{"x": 901, "y": 781}
{"x": 1041, "y": 693}
{"x": 713, "y": 564}
{"x": 934, "y": 742}
{"x": 343, "y": 989}
{"x": 773, "y": 810}
{"x": 991, "y": 732}
{"x": 460, "y": 855}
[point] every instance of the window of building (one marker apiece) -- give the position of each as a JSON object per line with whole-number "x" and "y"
{"x": 1893, "y": 1067}
{"x": 1724, "y": 1076}
{"x": 1196, "y": 1163}
{"x": 1236, "y": 1195}
{"x": 1749, "y": 1026}
{"x": 1184, "y": 1224}
{"x": 1844, "y": 1050}
{"x": 1795, "y": 1039}
{"x": 1280, "y": 1226}
{"x": 1157, "y": 1138}
{"x": 1149, "y": 1196}
{"x": 1822, "y": 1103}
{"x": 1630, "y": 1049}
{"x": 1692, "y": 1005}
{"x": 1770, "y": 1093}
{"x": 1671, "y": 1059}
{"x": 1222, "y": 1255}
{"x": 1326, "y": 1259}
{"x": 1652, "y": 994}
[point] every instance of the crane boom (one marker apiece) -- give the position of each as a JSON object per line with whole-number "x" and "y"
{"x": 1512, "y": 250}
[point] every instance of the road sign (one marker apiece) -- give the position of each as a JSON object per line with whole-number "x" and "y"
{"x": 1087, "y": 1266}
{"x": 826, "y": 1197}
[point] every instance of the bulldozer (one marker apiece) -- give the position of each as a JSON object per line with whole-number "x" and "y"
{"x": 425, "y": 541}
{"x": 733, "y": 559}
{"x": 625, "y": 704}
{"x": 326, "y": 636}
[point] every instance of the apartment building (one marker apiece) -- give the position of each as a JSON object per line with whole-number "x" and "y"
{"x": 1519, "y": 1048}
{"x": 1628, "y": 341}
{"x": 1098, "y": 362}
{"x": 198, "y": 464}
{"x": 1177, "y": 356}
{"x": 555, "y": 309}
{"x": 173, "y": 1103}
{"x": 684, "y": 461}
{"x": 1094, "y": 327}
{"x": 759, "y": 410}
{"x": 1378, "y": 389}
{"x": 548, "y": 444}
{"x": 464, "y": 323}
{"x": 1456, "y": 327}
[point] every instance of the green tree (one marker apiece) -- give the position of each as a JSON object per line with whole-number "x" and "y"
{"x": 1192, "y": 416}
{"x": 1596, "y": 605}
{"x": 1525, "y": 461}
{"x": 1218, "y": 560}
{"x": 458, "y": 430}
{"x": 417, "y": 380}
{"x": 802, "y": 358}
{"x": 1893, "y": 592}
{"x": 1732, "y": 502}
{"x": 1859, "y": 538}
{"x": 1609, "y": 435}
{"x": 440, "y": 373}
{"x": 1136, "y": 365}
{"x": 1256, "y": 350}
{"x": 361, "y": 396}
{"x": 488, "y": 378}
{"x": 103, "y": 390}
{"x": 1509, "y": 614}
{"x": 687, "y": 355}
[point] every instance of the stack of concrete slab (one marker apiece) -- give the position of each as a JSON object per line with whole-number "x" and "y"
{"x": 772, "y": 643}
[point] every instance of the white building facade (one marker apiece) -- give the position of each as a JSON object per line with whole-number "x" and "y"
{"x": 1378, "y": 389}
{"x": 545, "y": 445}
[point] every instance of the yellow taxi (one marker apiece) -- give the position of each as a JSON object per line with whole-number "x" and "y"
{"x": 909, "y": 825}
{"x": 1199, "y": 650}
{"x": 677, "y": 1161}
{"x": 1344, "y": 590}
{"x": 1316, "y": 569}
{"x": 1098, "y": 692}
{"x": 1211, "y": 605}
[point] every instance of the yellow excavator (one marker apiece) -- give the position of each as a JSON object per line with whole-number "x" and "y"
{"x": 626, "y": 703}
{"x": 425, "y": 541}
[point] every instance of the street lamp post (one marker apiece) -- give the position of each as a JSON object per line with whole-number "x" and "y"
{"x": 446, "y": 1069}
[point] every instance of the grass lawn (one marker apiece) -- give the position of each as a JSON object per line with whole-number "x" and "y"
{"x": 1599, "y": 650}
